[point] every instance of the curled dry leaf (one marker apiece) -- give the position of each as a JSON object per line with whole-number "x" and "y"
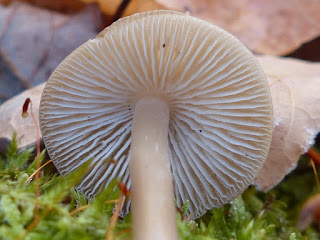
{"x": 34, "y": 41}
{"x": 268, "y": 27}
{"x": 295, "y": 90}
{"x": 11, "y": 120}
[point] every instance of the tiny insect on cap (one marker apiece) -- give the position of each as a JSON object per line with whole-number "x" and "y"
{"x": 220, "y": 107}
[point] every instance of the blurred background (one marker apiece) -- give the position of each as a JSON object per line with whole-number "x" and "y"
{"x": 36, "y": 35}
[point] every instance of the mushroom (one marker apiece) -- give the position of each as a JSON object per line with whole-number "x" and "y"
{"x": 181, "y": 107}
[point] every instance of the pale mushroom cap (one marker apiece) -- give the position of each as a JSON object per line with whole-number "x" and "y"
{"x": 220, "y": 107}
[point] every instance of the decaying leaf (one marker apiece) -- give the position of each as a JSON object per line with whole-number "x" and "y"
{"x": 295, "y": 90}
{"x": 310, "y": 213}
{"x": 12, "y": 121}
{"x": 110, "y": 7}
{"x": 69, "y": 6}
{"x": 142, "y": 6}
{"x": 269, "y": 27}
{"x": 34, "y": 41}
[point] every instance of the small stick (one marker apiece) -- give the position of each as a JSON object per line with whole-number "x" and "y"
{"x": 35, "y": 172}
{"x": 315, "y": 156}
{"x": 180, "y": 212}
{"x": 80, "y": 209}
{"x": 84, "y": 207}
{"x": 124, "y": 192}
{"x": 114, "y": 218}
{"x": 315, "y": 173}
{"x": 123, "y": 231}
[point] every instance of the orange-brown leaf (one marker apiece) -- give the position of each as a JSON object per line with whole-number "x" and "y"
{"x": 310, "y": 213}
{"x": 295, "y": 88}
{"x": 268, "y": 27}
{"x": 136, "y": 6}
{"x": 110, "y": 7}
{"x": 64, "y": 6}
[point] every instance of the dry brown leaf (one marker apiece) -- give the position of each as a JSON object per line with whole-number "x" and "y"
{"x": 110, "y": 7}
{"x": 12, "y": 121}
{"x": 309, "y": 213}
{"x": 34, "y": 41}
{"x": 295, "y": 90}
{"x": 136, "y": 6}
{"x": 64, "y": 6}
{"x": 269, "y": 27}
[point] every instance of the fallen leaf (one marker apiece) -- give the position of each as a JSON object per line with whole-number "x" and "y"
{"x": 109, "y": 7}
{"x": 63, "y": 6}
{"x": 308, "y": 51}
{"x": 34, "y": 41}
{"x": 11, "y": 120}
{"x": 295, "y": 90}
{"x": 268, "y": 27}
{"x": 310, "y": 213}
{"x": 136, "y": 6}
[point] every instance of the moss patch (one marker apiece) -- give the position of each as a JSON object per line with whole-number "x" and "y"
{"x": 254, "y": 215}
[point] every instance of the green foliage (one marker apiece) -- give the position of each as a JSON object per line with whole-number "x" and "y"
{"x": 233, "y": 221}
{"x": 58, "y": 198}
{"x": 12, "y": 166}
{"x": 254, "y": 215}
{"x": 16, "y": 160}
{"x": 257, "y": 215}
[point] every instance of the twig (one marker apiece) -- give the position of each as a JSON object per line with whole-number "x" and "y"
{"x": 80, "y": 209}
{"x": 315, "y": 173}
{"x": 124, "y": 192}
{"x": 35, "y": 172}
{"x": 180, "y": 212}
{"x": 315, "y": 156}
{"x": 315, "y": 160}
{"x": 114, "y": 218}
{"x": 123, "y": 231}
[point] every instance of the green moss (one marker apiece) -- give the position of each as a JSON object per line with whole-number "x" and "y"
{"x": 254, "y": 215}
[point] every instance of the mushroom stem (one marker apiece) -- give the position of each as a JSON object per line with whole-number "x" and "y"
{"x": 153, "y": 207}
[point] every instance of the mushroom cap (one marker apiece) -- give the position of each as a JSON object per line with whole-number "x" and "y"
{"x": 220, "y": 106}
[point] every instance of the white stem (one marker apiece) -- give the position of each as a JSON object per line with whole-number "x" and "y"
{"x": 153, "y": 208}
